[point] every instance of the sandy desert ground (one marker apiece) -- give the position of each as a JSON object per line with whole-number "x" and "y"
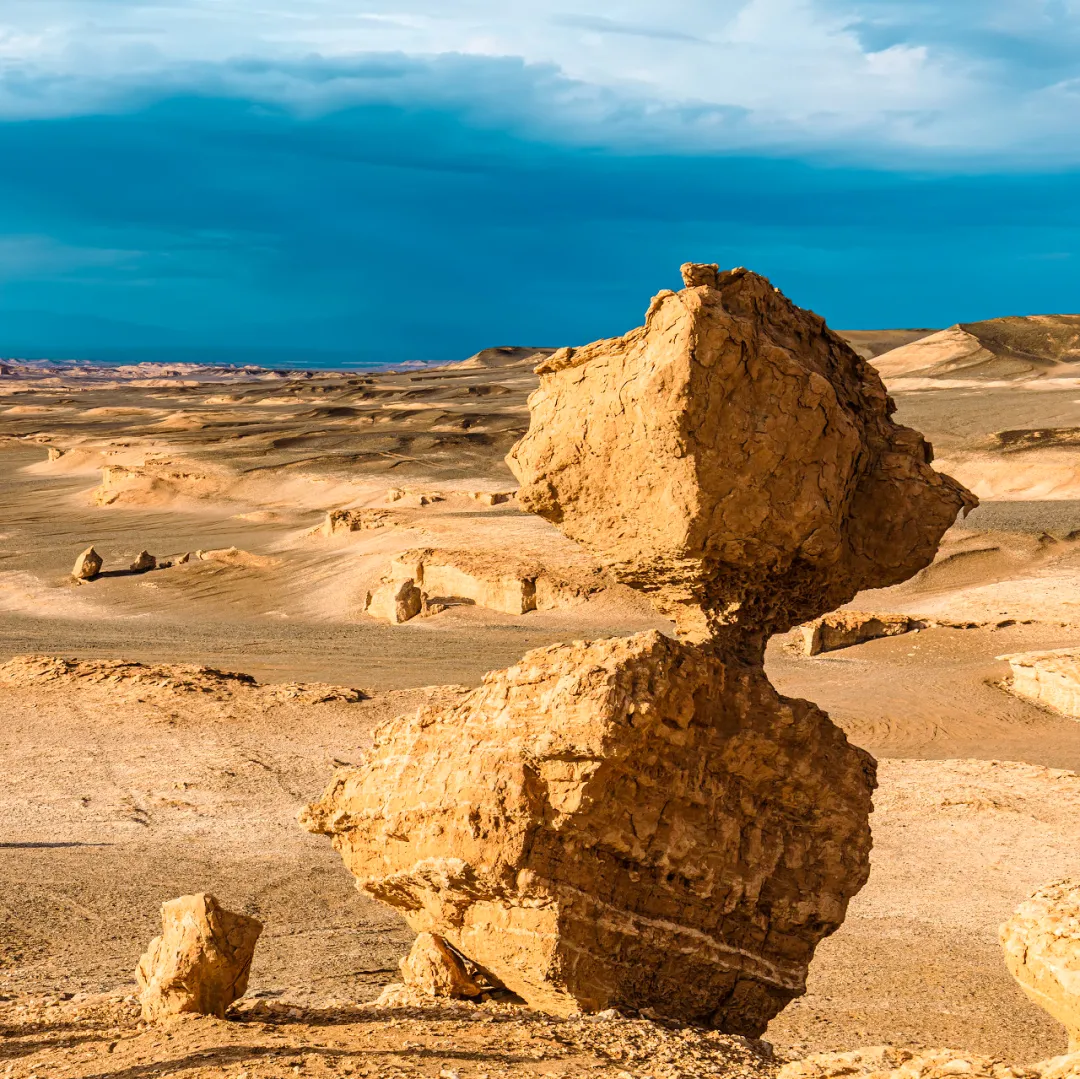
{"x": 126, "y": 784}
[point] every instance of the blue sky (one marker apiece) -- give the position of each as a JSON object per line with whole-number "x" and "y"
{"x": 385, "y": 181}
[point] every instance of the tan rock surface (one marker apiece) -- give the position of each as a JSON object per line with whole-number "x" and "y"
{"x": 144, "y": 561}
{"x": 434, "y": 970}
{"x": 1042, "y": 951}
{"x": 87, "y": 565}
{"x": 734, "y": 458}
{"x": 624, "y": 823}
{"x": 201, "y": 961}
{"x": 1048, "y": 678}
{"x": 395, "y": 601}
{"x": 842, "y": 629}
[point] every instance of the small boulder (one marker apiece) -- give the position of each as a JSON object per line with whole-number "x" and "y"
{"x": 201, "y": 961}
{"x": 1042, "y": 951}
{"x": 395, "y": 601}
{"x": 87, "y": 565}
{"x": 431, "y": 968}
{"x": 144, "y": 561}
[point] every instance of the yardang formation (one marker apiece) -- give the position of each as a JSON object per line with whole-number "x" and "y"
{"x": 644, "y": 823}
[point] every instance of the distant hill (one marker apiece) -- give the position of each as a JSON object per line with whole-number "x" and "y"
{"x": 872, "y": 343}
{"x": 1015, "y": 348}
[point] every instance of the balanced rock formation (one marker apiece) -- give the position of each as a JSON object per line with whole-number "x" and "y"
{"x": 1042, "y": 951}
{"x": 87, "y": 565}
{"x": 201, "y": 961}
{"x": 735, "y": 459}
{"x": 645, "y": 822}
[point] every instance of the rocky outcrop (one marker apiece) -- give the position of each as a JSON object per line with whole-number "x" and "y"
{"x": 842, "y": 629}
{"x": 733, "y": 458}
{"x": 645, "y": 823}
{"x": 342, "y": 522}
{"x": 1051, "y": 679}
{"x": 430, "y": 580}
{"x": 627, "y": 823}
{"x": 87, "y": 565}
{"x": 1042, "y": 951}
{"x": 201, "y": 961}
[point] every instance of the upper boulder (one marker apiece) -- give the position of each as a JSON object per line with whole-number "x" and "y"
{"x": 734, "y": 458}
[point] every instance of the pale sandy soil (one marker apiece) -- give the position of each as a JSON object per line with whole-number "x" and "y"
{"x": 111, "y": 802}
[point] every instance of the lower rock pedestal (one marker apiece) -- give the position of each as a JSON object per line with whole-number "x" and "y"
{"x": 629, "y": 823}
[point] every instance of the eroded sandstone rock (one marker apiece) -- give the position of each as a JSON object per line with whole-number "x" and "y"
{"x": 87, "y": 565}
{"x": 201, "y": 961}
{"x": 1042, "y": 951}
{"x": 842, "y": 629}
{"x": 432, "y": 968}
{"x": 623, "y": 823}
{"x": 395, "y": 601}
{"x": 1051, "y": 679}
{"x": 645, "y": 823}
{"x": 144, "y": 561}
{"x": 735, "y": 459}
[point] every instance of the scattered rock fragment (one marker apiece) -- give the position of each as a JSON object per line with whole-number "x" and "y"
{"x": 1042, "y": 951}
{"x": 144, "y": 561}
{"x": 491, "y": 498}
{"x": 87, "y": 565}
{"x": 1051, "y": 679}
{"x": 201, "y": 961}
{"x": 842, "y": 629}
{"x": 891, "y": 1062}
{"x": 395, "y": 601}
{"x": 433, "y": 969}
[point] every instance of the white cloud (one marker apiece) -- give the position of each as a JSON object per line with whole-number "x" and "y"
{"x": 879, "y": 76}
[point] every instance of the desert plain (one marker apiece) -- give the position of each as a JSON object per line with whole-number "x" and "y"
{"x": 160, "y": 729}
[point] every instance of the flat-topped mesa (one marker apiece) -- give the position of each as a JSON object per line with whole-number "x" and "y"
{"x": 735, "y": 459}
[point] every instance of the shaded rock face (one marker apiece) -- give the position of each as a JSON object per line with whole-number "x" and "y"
{"x": 622, "y": 823}
{"x": 733, "y": 458}
{"x": 201, "y": 961}
{"x": 644, "y": 822}
{"x": 1042, "y": 951}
